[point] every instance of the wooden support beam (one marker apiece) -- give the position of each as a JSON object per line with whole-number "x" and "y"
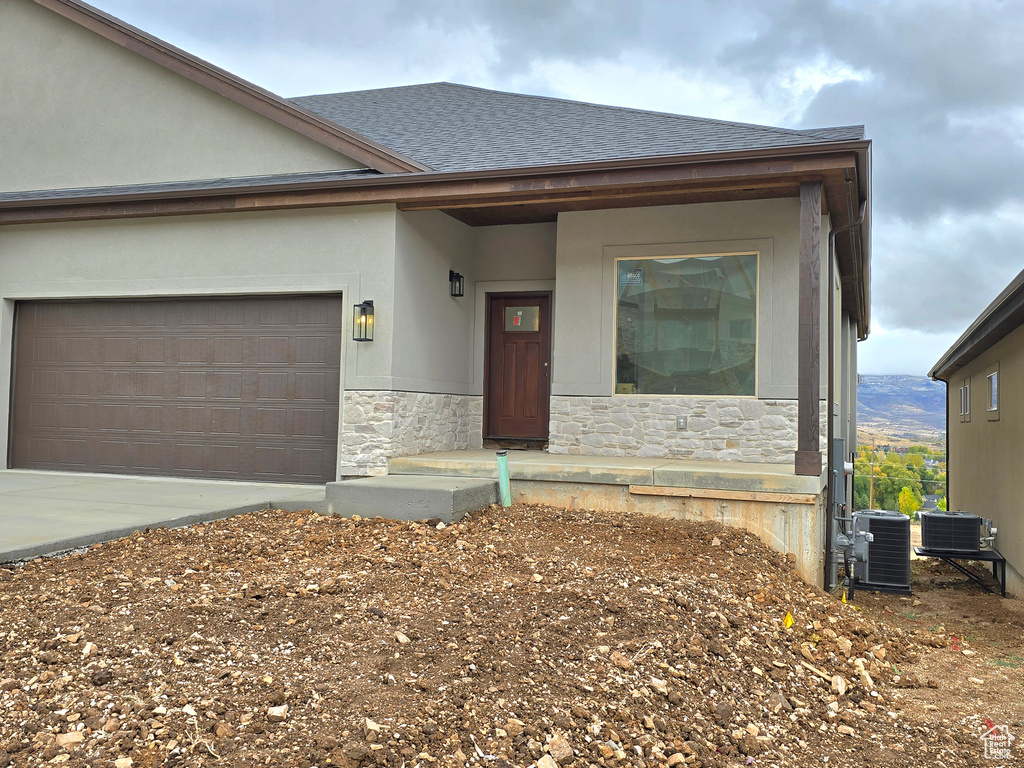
{"x": 715, "y": 493}
{"x": 808, "y": 450}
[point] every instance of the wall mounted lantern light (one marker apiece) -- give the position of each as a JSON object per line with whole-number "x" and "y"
{"x": 362, "y": 321}
{"x": 456, "y": 284}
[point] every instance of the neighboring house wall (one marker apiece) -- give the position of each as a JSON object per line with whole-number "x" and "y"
{"x": 77, "y": 110}
{"x": 588, "y": 419}
{"x": 984, "y": 453}
{"x": 339, "y": 250}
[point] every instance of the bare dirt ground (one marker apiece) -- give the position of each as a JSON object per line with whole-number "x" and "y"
{"x": 981, "y": 662}
{"x": 518, "y": 637}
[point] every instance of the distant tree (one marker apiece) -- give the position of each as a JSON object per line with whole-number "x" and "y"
{"x": 860, "y": 492}
{"x": 941, "y": 504}
{"x": 908, "y": 502}
{"x": 915, "y": 460}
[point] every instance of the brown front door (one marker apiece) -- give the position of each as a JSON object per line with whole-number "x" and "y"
{"x": 518, "y": 365}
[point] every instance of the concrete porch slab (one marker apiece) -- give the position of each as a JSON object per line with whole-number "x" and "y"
{"x": 736, "y": 476}
{"x": 530, "y": 465}
{"x": 46, "y": 512}
{"x": 411, "y": 497}
{"x": 612, "y": 470}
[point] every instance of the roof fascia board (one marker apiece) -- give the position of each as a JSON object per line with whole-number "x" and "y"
{"x": 996, "y": 322}
{"x": 533, "y": 178}
{"x": 240, "y": 91}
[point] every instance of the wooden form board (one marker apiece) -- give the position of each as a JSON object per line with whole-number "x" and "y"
{"x": 715, "y": 493}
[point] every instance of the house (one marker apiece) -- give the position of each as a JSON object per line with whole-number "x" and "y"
{"x": 199, "y": 277}
{"x": 983, "y": 372}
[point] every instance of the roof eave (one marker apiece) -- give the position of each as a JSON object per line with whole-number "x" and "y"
{"x": 253, "y": 97}
{"x": 442, "y": 176}
{"x": 996, "y": 322}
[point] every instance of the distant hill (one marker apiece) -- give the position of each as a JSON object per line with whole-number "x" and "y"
{"x": 901, "y": 407}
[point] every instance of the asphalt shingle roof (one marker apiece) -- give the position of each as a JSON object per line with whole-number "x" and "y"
{"x": 452, "y": 127}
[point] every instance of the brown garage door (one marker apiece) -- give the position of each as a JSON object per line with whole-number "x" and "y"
{"x": 229, "y": 388}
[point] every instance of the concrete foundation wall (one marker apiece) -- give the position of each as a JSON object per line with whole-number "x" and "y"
{"x": 77, "y": 110}
{"x": 796, "y": 529}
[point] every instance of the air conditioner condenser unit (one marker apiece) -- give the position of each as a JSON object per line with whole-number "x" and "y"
{"x": 955, "y": 532}
{"x": 882, "y": 548}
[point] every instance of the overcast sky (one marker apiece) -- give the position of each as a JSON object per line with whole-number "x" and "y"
{"x": 937, "y": 84}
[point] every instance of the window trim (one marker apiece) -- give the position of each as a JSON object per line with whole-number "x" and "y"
{"x": 755, "y": 252}
{"x": 992, "y": 377}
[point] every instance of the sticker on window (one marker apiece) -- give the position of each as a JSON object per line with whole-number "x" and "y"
{"x": 522, "y": 319}
{"x": 632, "y": 277}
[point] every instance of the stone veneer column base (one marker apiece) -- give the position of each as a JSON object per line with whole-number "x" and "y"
{"x": 714, "y": 428}
{"x": 378, "y": 425}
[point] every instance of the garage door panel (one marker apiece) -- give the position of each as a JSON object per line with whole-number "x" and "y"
{"x": 147, "y": 418}
{"x": 192, "y": 350}
{"x": 72, "y": 416}
{"x": 233, "y": 388}
{"x": 113, "y": 455}
{"x": 225, "y": 421}
{"x": 81, "y": 349}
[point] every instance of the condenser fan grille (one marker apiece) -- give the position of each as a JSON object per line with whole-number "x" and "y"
{"x": 889, "y": 553}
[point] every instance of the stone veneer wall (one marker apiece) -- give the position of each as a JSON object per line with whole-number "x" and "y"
{"x": 376, "y": 426}
{"x": 717, "y": 429}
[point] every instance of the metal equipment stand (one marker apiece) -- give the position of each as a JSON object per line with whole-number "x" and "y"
{"x": 982, "y": 555}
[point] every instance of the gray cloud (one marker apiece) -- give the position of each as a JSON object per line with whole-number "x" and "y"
{"x": 936, "y": 82}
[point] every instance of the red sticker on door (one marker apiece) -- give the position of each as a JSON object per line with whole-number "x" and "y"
{"x": 517, "y": 319}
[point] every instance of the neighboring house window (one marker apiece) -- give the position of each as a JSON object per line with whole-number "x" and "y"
{"x": 686, "y": 325}
{"x": 993, "y": 392}
{"x": 965, "y": 400}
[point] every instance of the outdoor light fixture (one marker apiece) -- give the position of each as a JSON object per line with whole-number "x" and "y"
{"x": 362, "y": 321}
{"x": 456, "y": 284}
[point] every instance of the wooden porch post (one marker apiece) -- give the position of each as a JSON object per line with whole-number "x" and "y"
{"x": 808, "y": 453}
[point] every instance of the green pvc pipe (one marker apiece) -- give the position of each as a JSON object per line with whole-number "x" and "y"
{"x": 503, "y": 487}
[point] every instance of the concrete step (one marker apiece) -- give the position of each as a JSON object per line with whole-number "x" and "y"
{"x": 411, "y": 497}
{"x": 612, "y": 470}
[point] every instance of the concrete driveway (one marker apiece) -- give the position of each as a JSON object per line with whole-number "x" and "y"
{"x": 46, "y": 512}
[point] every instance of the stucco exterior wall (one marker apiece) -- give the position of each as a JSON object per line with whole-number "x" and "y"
{"x": 340, "y": 250}
{"x": 433, "y": 332}
{"x": 590, "y": 241}
{"x": 77, "y": 110}
{"x": 428, "y": 343}
{"x": 985, "y": 455}
{"x": 515, "y": 252}
{"x": 438, "y": 339}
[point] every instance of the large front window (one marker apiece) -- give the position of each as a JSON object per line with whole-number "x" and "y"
{"x": 686, "y": 325}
